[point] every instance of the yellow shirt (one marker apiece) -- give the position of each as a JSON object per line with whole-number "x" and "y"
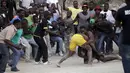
{"x": 76, "y": 40}
{"x": 74, "y": 13}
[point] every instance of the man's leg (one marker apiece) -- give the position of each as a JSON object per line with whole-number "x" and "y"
{"x": 101, "y": 42}
{"x": 42, "y": 51}
{"x": 47, "y": 38}
{"x": 83, "y": 54}
{"x": 125, "y": 53}
{"x": 34, "y": 47}
{"x": 89, "y": 54}
{"x": 60, "y": 43}
{"x": 68, "y": 54}
{"x": 109, "y": 45}
{"x": 16, "y": 57}
{"x": 5, "y": 56}
{"x": 28, "y": 49}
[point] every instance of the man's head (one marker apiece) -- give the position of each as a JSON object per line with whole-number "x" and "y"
{"x": 41, "y": 10}
{"x": 69, "y": 13}
{"x": 35, "y": 19}
{"x": 21, "y": 13}
{"x": 91, "y": 5}
{"x": 98, "y": 10}
{"x": 26, "y": 12}
{"x": 54, "y": 23}
{"x": 85, "y": 8}
{"x": 47, "y": 15}
{"x": 31, "y": 10}
{"x": 3, "y": 3}
{"x": 75, "y": 4}
{"x": 17, "y": 23}
{"x": 53, "y": 6}
{"x": 24, "y": 23}
{"x": 83, "y": 29}
{"x": 106, "y": 7}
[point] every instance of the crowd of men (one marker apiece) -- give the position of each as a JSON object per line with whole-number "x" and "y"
{"x": 38, "y": 26}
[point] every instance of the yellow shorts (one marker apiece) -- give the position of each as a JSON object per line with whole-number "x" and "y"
{"x": 76, "y": 40}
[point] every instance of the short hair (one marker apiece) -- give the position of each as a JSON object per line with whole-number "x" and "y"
{"x": 46, "y": 13}
{"x": 82, "y": 27}
{"x": 75, "y": 1}
{"x": 19, "y": 10}
{"x": 91, "y": 2}
{"x": 24, "y": 20}
{"x": 106, "y": 3}
{"x": 16, "y": 21}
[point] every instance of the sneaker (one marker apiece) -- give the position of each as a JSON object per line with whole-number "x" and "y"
{"x": 14, "y": 69}
{"x": 46, "y": 63}
{"x": 61, "y": 54}
{"x": 36, "y": 63}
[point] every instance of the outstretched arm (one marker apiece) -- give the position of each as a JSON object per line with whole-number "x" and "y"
{"x": 14, "y": 5}
{"x": 64, "y": 6}
{"x": 20, "y": 5}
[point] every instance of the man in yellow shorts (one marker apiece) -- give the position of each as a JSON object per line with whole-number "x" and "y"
{"x": 79, "y": 39}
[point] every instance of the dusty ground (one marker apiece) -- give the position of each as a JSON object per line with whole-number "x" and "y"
{"x": 73, "y": 65}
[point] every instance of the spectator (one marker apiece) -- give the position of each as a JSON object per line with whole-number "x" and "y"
{"x": 91, "y": 9}
{"x": 69, "y": 29}
{"x": 83, "y": 17}
{"x": 108, "y": 13}
{"x": 38, "y": 36}
{"x": 17, "y": 53}
{"x": 19, "y": 15}
{"x": 97, "y": 12}
{"x": 55, "y": 37}
{"x": 4, "y": 14}
{"x": 55, "y": 13}
{"x": 11, "y": 5}
{"x": 110, "y": 18}
{"x": 28, "y": 35}
{"x": 6, "y": 35}
{"x": 75, "y": 10}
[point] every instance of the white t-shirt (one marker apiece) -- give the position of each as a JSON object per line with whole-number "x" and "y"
{"x": 109, "y": 16}
{"x": 52, "y": 1}
{"x": 26, "y": 3}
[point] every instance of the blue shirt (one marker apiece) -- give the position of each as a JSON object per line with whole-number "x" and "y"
{"x": 15, "y": 18}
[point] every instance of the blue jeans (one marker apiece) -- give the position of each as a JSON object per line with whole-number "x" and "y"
{"x": 100, "y": 43}
{"x": 4, "y": 52}
{"x": 59, "y": 41}
{"x": 125, "y": 53}
{"x": 16, "y": 57}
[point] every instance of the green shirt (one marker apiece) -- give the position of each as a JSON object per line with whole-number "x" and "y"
{"x": 17, "y": 36}
{"x": 30, "y": 28}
